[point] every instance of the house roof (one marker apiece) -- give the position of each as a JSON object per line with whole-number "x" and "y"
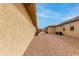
{"x": 52, "y": 25}
{"x": 31, "y": 8}
{"x": 66, "y": 22}
{"x": 71, "y": 20}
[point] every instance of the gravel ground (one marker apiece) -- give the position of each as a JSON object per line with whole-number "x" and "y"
{"x": 53, "y": 45}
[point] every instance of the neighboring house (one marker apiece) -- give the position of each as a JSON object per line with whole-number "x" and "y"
{"x": 17, "y": 27}
{"x": 51, "y": 29}
{"x": 69, "y": 28}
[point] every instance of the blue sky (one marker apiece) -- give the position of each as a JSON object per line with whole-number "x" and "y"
{"x": 55, "y": 13}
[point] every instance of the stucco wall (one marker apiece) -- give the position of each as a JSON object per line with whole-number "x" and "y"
{"x": 16, "y": 31}
{"x": 74, "y": 33}
{"x": 59, "y": 29}
{"x": 67, "y": 31}
{"x": 51, "y": 30}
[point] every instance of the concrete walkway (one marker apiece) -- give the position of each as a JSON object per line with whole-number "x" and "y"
{"x": 53, "y": 45}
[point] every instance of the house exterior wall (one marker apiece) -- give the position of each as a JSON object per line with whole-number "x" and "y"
{"x": 67, "y": 31}
{"x": 16, "y": 29}
{"x": 51, "y": 30}
{"x": 74, "y": 33}
{"x": 58, "y": 28}
{"x": 32, "y": 11}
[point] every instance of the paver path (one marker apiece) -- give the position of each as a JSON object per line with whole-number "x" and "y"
{"x": 52, "y": 45}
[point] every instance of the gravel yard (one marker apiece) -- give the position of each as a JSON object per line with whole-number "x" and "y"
{"x": 53, "y": 45}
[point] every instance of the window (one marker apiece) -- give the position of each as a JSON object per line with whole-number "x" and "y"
{"x": 72, "y": 28}
{"x": 63, "y": 28}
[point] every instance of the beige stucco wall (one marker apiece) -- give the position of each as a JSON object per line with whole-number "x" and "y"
{"x": 74, "y": 33}
{"x": 67, "y": 31}
{"x": 22, "y": 9}
{"x": 59, "y": 29}
{"x": 16, "y": 31}
{"x": 51, "y": 30}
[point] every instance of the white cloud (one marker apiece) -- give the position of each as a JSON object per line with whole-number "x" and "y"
{"x": 46, "y": 13}
{"x": 74, "y": 12}
{"x": 69, "y": 17}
